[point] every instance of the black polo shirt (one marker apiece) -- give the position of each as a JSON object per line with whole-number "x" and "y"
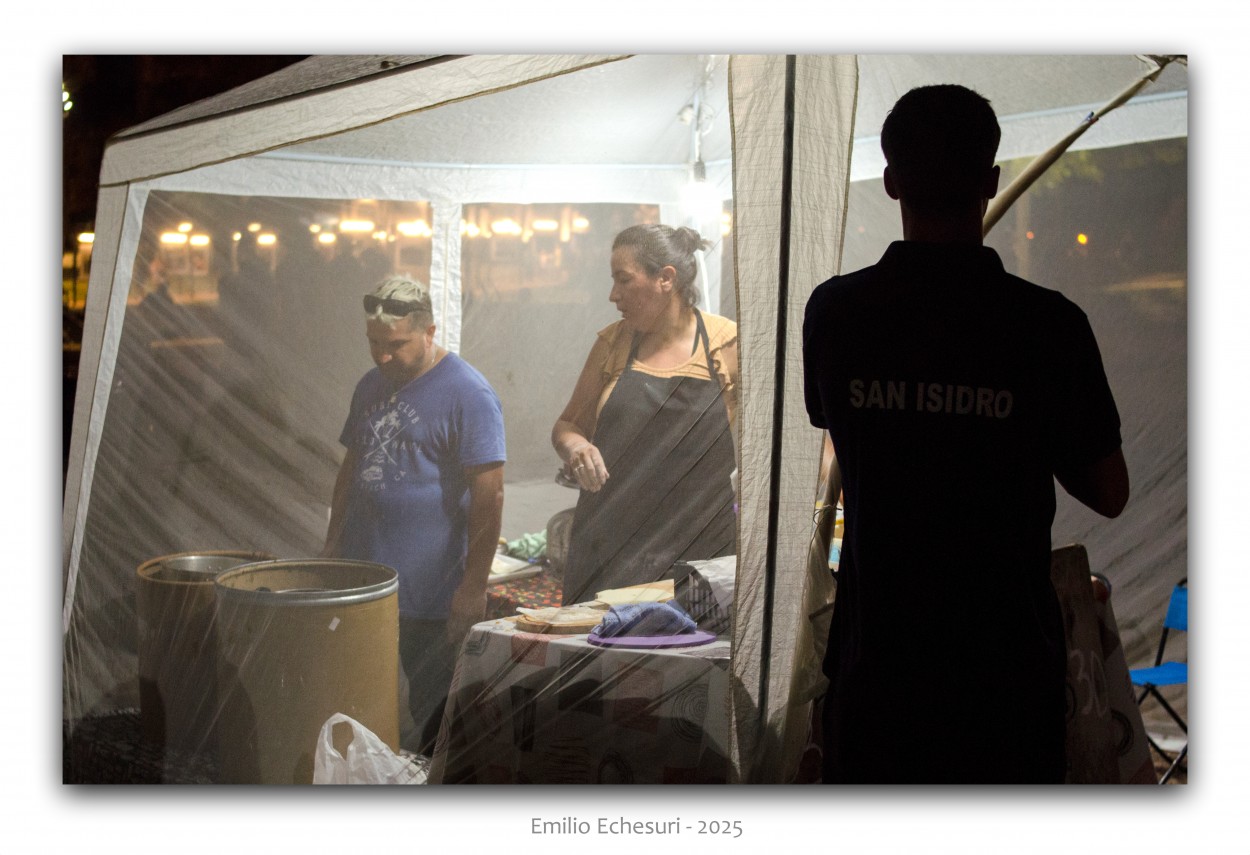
{"x": 953, "y": 391}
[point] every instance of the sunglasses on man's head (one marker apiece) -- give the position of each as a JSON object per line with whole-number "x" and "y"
{"x": 398, "y": 308}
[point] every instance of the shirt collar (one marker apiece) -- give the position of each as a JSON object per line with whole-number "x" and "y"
{"x": 913, "y": 254}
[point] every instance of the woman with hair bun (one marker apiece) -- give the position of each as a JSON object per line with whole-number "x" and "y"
{"x": 647, "y": 433}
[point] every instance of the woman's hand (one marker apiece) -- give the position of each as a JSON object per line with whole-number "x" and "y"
{"x": 585, "y": 466}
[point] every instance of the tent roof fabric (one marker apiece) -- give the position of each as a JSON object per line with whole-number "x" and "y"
{"x": 1037, "y": 98}
{"x": 331, "y": 110}
{"x": 617, "y": 113}
{"x": 303, "y": 78}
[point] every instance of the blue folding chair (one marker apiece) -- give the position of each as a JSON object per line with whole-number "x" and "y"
{"x": 1163, "y": 674}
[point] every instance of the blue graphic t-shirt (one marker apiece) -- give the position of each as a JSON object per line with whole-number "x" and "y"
{"x": 409, "y": 499}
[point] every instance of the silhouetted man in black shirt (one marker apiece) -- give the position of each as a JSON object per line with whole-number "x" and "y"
{"x": 954, "y": 393}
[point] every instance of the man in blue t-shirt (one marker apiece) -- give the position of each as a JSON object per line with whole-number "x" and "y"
{"x": 955, "y": 395}
{"x": 421, "y": 488}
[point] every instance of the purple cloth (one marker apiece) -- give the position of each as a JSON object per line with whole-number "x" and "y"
{"x": 638, "y": 619}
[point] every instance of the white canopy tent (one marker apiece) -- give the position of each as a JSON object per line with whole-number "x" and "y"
{"x": 781, "y": 139}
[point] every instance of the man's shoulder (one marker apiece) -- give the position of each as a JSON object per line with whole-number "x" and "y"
{"x": 863, "y": 284}
{"x": 460, "y": 379}
{"x": 456, "y": 367}
{"x": 1049, "y": 303}
{"x": 849, "y": 282}
{"x": 843, "y": 288}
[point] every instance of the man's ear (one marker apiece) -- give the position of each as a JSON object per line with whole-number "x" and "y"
{"x": 890, "y": 189}
{"x": 990, "y": 188}
{"x": 430, "y": 330}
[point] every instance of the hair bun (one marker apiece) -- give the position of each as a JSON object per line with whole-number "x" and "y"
{"x": 691, "y": 239}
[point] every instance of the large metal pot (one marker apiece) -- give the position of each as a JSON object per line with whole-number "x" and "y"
{"x": 297, "y": 641}
{"x": 177, "y": 646}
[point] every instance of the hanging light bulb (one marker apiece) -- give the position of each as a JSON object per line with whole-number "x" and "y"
{"x": 700, "y": 200}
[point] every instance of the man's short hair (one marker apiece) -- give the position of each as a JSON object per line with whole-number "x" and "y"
{"x": 939, "y": 141}
{"x": 399, "y": 296}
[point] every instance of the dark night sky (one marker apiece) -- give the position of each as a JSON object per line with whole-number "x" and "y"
{"x": 114, "y": 92}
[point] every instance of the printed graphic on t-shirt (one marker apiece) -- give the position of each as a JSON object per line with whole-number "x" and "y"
{"x": 384, "y": 444}
{"x": 946, "y": 398}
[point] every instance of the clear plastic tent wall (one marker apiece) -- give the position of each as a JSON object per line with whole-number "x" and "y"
{"x": 207, "y": 638}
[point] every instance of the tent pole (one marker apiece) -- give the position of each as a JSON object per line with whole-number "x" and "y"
{"x": 1046, "y": 159}
{"x": 774, "y": 486}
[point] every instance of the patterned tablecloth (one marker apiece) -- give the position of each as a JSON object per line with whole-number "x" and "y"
{"x": 533, "y": 592}
{"x": 549, "y": 709}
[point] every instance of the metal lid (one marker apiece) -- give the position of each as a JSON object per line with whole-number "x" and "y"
{"x": 199, "y": 567}
{"x": 307, "y": 582}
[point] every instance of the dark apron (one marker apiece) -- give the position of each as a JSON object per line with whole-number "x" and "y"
{"x": 669, "y": 453}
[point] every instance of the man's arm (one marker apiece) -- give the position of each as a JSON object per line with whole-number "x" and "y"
{"x": 1101, "y": 486}
{"x": 338, "y": 505}
{"x": 468, "y": 604}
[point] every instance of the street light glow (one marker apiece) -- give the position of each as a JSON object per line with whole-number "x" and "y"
{"x": 414, "y": 228}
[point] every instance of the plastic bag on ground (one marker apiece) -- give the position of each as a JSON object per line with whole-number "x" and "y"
{"x": 369, "y": 760}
